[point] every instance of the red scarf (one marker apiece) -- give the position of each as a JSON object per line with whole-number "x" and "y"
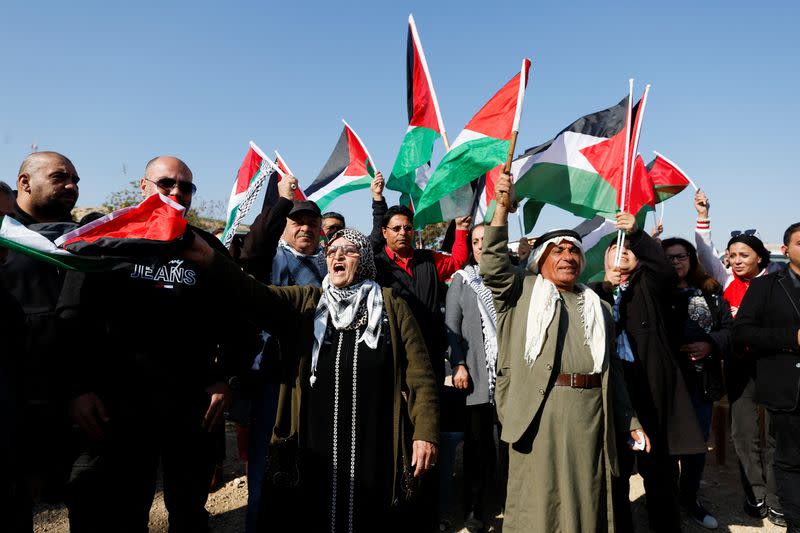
{"x": 734, "y": 293}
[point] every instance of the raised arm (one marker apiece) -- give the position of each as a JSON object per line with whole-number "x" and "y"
{"x": 446, "y": 265}
{"x": 649, "y": 252}
{"x": 379, "y": 209}
{"x": 499, "y": 275}
{"x": 707, "y": 254}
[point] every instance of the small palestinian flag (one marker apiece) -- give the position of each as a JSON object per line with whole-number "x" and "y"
{"x": 412, "y": 167}
{"x": 130, "y": 232}
{"x": 579, "y": 170}
{"x": 482, "y": 145}
{"x": 668, "y": 179}
{"x": 284, "y": 168}
{"x": 349, "y": 168}
{"x": 249, "y": 180}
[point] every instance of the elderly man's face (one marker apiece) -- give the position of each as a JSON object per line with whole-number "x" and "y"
{"x": 561, "y": 265}
{"x": 342, "y": 256}
{"x": 302, "y": 232}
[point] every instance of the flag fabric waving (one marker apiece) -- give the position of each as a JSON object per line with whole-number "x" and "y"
{"x": 482, "y": 144}
{"x": 249, "y": 180}
{"x": 412, "y": 167}
{"x": 18, "y": 237}
{"x": 349, "y": 168}
{"x": 284, "y": 168}
{"x": 579, "y": 170}
{"x": 668, "y": 178}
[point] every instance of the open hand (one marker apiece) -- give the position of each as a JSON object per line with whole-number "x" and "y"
{"x": 424, "y": 456}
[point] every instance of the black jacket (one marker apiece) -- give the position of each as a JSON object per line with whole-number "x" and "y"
{"x": 766, "y": 328}
{"x": 261, "y": 242}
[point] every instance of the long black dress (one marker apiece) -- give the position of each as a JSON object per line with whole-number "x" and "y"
{"x": 349, "y": 434}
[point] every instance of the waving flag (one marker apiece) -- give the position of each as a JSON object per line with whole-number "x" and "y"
{"x": 249, "y": 180}
{"x": 481, "y": 146}
{"x": 284, "y": 169}
{"x": 668, "y": 178}
{"x": 349, "y": 168}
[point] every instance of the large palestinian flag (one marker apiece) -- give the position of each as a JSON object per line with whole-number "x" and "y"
{"x": 249, "y": 180}
{"x": 580, "y": 169}
{"x": 349, "y": 168}
{"x": 482, "y": 145}
{"x": 151, "y": 228}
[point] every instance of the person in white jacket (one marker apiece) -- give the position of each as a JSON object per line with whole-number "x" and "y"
{"x": 747, "y": 259}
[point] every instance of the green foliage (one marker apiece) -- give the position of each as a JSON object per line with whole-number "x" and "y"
{"x": 433, "y": 235}
{"x": 127, "y": 197}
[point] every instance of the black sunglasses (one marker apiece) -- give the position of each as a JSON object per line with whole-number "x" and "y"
{"x": 748, "y": 232}
{"x": 168, "y": 184}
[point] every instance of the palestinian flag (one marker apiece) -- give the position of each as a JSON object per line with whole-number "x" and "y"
{"x": 284, "y": 169}
{"x": 412, "y": 167}
{"x": 249, "y": 180}
{"x": 484, "y": 203}
{"x": 482, "y": 145}
{"x": 145, "y": 229}
{"x": 580, "y": 169}
{"x": 349, "y": 168}
{"x": 668, "y": 178}
{"x": 597, "y": 234}
{"x": 17, "y": 237}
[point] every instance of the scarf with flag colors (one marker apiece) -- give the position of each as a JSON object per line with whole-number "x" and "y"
{"x": 150, "y": 228}
{"x": 348, "y": 168}
{"x": 481, "y": 146}
{"x": 249, "y": 180}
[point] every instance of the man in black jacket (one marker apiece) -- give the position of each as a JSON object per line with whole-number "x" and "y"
{"x": 47, "y": 189}
{"x": 767, "y": 328}
{"x": 154, "y": 385}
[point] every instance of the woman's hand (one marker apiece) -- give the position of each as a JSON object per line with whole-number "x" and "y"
{"x": 701, "y": 204}
{"x": 424, "y": 456}
{"x": 461, "y": 377}
{"x": 697, "y": 350}
{"x": 199, "y": 252}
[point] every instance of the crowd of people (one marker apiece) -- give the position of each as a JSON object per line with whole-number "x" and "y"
{"x": 353, "y": 364}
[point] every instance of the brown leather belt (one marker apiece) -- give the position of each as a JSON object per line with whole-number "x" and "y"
{"x": 579, "y": 381}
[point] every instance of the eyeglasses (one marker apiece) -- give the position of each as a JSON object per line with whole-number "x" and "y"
{"x": 676, "y": 258}
{"x": 399, "y": 228}
{"x": 347, "y": 249}
{"x": 748, "y": 232}
{"x": 168, "y": 184}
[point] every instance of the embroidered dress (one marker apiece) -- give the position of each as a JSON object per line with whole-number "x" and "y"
{"x": 350, "y": 432}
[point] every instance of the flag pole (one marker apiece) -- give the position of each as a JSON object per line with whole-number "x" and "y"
{"x": 512, "y": 145}
{"x": 663, "y": 208}
{"x": 413, "y": 25}
{"x": 279, "y": 158}
{"x": 269, "y": 161}
{"x": 679, "y": 169}
{"x": 620, "y": 233}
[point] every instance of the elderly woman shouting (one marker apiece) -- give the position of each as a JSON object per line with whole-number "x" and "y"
{"x": 353, "y": 399}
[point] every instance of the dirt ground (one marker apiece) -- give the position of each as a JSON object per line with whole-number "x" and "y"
{"x": 720, "y": 491}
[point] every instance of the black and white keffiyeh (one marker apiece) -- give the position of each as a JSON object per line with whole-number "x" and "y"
{"x": 471, "y": 276}
{"x": 353, "y": 306}
{"x": 290, "y": 267}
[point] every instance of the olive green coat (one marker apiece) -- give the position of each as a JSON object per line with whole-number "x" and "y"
{"x": 289, "y": 311}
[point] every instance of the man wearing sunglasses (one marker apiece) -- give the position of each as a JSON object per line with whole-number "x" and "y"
{"x": 155, "y": 388}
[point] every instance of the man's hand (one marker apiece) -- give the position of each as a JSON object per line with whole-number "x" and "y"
{"x": 523, "y": 250}
{"x": 199, "y": 252}
{"x": 627, "y": 223}
{"x": 463, "y": 223}
{"x": 461, "y": 377}
{"x": 697, "y": 350}
{"x": 701, "y": 204}
{"x": 504, "y": 198}
{"x": 90, "y": 414}
{"x": 287, "y": 186}
{"x": 220, "y": 401}
{"x": 637, "y": 435}
{"x": 377, "y": 187}
{"x": 424, "y": 456}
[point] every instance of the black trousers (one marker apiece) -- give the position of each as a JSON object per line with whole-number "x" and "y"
{"x": 114, "y": 480}
{"x": 485, "y": 470}
{"x": 787, "y": 464}
{"x": 755, "y": 461}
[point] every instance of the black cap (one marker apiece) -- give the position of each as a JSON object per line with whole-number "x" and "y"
{"x": 305, "y": 206}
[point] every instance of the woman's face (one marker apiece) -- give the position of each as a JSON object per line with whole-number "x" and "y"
{"x": 743, "y": 260}
{"x": 678, "y": 255}
{"x": 342, "y": 257}
{"x": 477, "y": 242}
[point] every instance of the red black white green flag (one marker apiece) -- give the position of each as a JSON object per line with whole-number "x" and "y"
{"x": 668, "y": 178}
{"x": 249, "y": 179}
{"x": 349, "y": 168}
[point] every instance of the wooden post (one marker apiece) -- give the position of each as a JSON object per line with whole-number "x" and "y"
{"x": 507, "y": 167}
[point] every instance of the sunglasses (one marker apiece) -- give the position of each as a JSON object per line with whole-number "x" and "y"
{"x": 748, "y": 232}
{"x": 347, "y": 249}
{"x": 168, "y": 184}
{"x": 398, "y": 228}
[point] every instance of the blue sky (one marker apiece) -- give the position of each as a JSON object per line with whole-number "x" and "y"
{"x": 111, "y": 85}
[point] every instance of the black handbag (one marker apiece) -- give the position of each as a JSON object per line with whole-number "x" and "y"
{"x": 285, "y": 467}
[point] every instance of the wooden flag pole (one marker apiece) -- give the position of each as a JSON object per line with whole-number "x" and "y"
{"x": 507, "y": 167}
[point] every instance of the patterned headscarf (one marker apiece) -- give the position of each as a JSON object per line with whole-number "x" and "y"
{"x": 366, "y": 263}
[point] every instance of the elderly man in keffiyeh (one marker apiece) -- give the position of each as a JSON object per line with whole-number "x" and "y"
{"x": 359, "y": 396}
{"x": 559, "y": 394}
